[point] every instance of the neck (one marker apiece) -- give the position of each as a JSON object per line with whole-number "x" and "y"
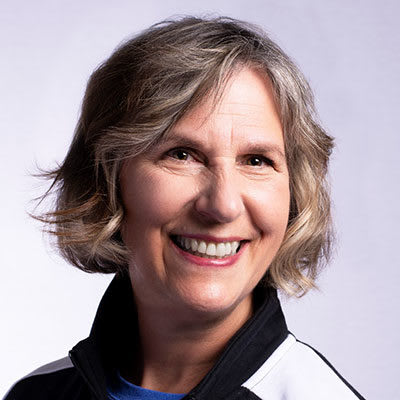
{"x": 177, "y": 352}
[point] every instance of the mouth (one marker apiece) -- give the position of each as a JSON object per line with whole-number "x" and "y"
{"x": 208, "y": 249}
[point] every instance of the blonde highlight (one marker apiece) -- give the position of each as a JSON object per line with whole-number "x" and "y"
{"x": 134, "y": 99}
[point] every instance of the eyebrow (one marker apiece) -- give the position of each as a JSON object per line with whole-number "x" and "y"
{"x": 174, "y": 138}
{"x": 266, "y": 148}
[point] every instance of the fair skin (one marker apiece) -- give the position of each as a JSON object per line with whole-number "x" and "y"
{"x": 219, "y": 177}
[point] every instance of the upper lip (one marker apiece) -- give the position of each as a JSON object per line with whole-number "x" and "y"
{"x": 210, "y": 238}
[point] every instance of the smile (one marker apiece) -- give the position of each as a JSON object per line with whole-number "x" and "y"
{"x": 205, "y": 249}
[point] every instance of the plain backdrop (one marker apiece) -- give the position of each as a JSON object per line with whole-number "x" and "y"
{"x": 349, "y": 51}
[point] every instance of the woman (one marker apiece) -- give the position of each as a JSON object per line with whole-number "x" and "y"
{"x": 197, "y": 175}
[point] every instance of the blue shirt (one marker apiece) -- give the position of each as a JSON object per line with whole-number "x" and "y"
{"x": 120, "y": 389}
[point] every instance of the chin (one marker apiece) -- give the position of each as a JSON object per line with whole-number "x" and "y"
{"x": 212, "y": 299}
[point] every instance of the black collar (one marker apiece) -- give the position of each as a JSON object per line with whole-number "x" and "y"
{"x": 114, "y": 330}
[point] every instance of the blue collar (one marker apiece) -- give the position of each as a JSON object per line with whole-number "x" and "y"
{"x": 120, "y": 389}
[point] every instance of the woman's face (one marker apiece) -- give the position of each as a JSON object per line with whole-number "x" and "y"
{"x": 220, "y": 180}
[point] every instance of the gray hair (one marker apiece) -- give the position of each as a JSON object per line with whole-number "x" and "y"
{"x": 134, "y": 98}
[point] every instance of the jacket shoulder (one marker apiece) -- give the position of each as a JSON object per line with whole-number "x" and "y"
{"x": 58, "y": 380}
{"x": 297, "y": 371}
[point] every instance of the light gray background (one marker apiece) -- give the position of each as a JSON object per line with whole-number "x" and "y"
{"x": 349, "y": 50}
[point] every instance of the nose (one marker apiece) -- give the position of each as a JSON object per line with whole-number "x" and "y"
{"x": 220, "y": 199}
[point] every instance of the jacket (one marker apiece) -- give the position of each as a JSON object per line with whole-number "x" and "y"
{"x": 263, "y": 360}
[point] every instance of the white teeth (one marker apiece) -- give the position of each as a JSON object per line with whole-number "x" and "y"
{"x": 221, "y": 250}
{"x": 234, "y": 245}
{"x": 210, "y": 249}
{"x": 194, "y": 245}
{"x": 202, "y": 247}
{"x": 187, "y": 243}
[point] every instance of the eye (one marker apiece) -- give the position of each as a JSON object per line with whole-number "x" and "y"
{"x": 258, "y": 161}
{"x": 179, "y": 154}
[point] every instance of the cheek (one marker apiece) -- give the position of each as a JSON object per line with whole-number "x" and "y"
{"x": 271, "y": 208}
{"x": 153, "y": 199}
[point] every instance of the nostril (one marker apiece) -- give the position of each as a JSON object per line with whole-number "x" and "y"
{"x": 216, "y": 210}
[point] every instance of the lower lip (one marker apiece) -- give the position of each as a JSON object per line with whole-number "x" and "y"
{"x": 211, "y": 262}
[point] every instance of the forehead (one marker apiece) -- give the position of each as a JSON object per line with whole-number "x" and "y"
{"x": 245, "y": 113}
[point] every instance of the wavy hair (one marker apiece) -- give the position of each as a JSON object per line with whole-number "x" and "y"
{"x": 134, "y": 98}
